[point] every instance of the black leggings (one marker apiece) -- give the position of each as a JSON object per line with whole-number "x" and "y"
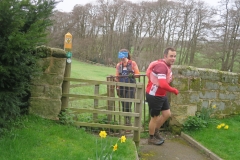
{"x": 127, "y": 92}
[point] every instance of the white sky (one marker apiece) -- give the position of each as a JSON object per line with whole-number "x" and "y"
{"x": 67, "y": 5}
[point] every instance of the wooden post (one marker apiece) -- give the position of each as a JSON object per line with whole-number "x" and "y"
{"x": 137, "y": 122}
{"x": 67, "y": 73}
{"x": 111, "y": 93}
{"x": 96, "y": 92}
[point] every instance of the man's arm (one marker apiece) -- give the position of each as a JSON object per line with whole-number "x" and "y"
{"x": 164, "y": 85}
{"x": 161, "y": 70}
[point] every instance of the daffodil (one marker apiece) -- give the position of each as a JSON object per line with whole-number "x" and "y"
{"x": 123, "y": 139}
{"x": 103, "y": 134}
{"x": 219, "y": 126}
{"x": 223, "y": 124}
{"x": 226, "y": 127}
{"x": 214, "y": 106}
{"x": 106, "y": 152}
{"x": 115, "y": 147}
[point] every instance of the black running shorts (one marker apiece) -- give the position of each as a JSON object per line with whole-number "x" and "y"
{"x": 157, "y": 104}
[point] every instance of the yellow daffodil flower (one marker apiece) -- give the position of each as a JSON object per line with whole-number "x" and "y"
{"x": 219, "y": 126}
{"x": 103, "y": 134}
{"x": 115, "y": 147}
{"x": 223, "y": 124}
{"x": 226, "y": 127}
{"x": 123, "y": 139}
{"x": 214, "y": 106}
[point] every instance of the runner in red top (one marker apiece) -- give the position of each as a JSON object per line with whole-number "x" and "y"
{"x": 159, "y": 75}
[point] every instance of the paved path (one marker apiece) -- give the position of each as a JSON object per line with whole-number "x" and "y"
{"x": 175, "y": 148}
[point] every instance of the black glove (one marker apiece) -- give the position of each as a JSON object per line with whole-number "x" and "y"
{"x": 131, "y": 75}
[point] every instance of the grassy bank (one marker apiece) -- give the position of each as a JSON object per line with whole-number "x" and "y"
{"x": 37, "y": 138}
{"x": 223, "y": 141}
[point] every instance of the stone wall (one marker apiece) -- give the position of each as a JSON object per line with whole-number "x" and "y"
{"x": 200, "y": 88}
{"x": 46, "y": 88}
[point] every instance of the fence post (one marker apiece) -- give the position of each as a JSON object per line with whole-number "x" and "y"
{"x": 137, "y": 122}
{"x": 66, "y": 84}
{"x": 96, "y": 92}
{"x": 111, "y": 93}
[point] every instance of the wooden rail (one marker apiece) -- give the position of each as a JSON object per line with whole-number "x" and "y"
{"x": 110, "y": 99}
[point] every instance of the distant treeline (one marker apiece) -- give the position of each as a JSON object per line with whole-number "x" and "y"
{"x": 204, "y": 36}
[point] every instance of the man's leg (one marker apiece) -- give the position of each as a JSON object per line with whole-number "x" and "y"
{"x": 155, "y": 105}
{"x": 160, "y": 121}
{"x": 163, "y": 117}
{"x": 152, "y": 126}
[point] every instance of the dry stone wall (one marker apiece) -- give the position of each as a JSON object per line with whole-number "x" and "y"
{"x": 204, "y": 88}
{"x": 199, "y": 88}
{"x": 46, "y": 88}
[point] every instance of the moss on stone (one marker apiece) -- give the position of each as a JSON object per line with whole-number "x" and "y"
{"x": 182, "y": 84}
{"x": 199, "y": 106}
{"x": 58, "y": 53}
{"x": 195, "y": 84}
{"x": 43, "y": 51}
{"x": 44, "y": 64}
{"x": 189, "y": 68}
{"x": 176, "y": 129}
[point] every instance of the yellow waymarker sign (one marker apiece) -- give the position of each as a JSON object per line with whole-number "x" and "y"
{"x": 68, "y": 42}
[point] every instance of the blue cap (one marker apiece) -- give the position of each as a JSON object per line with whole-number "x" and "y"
{"x": 122, "y": 54}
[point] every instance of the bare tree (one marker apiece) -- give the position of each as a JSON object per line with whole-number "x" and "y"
{"x": 229, "y": 34}
{"x": 146, "y": 28}
{"x": 58, "y": 29}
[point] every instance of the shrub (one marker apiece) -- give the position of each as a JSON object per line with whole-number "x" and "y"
{"x": 23, "y": 27}
{"x": 194, "y": 123}
{"x": 202, "y": 119}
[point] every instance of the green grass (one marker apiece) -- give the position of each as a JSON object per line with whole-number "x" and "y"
{"x": 42, "y": 139}
{"x": 223, "y": 142}
{"x": 84, "y": 70}
{"x": 89, "y": 71}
